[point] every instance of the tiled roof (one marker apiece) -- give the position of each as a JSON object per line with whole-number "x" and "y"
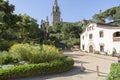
{"x": 107, "y": 26}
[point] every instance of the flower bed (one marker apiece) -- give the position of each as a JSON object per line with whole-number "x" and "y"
{"x": 61, "y": 65}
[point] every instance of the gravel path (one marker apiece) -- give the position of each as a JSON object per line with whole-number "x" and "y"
{"x": 89, "y": 61}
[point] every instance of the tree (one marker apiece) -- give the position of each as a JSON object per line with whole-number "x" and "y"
{"x": 99, "y": 18}
{"x": 71, "y": 30}
{"x": 27, "y": 28}
{"x": 7, "y": 12}
{"x": 111, "y": 15}
{"x": 6, "y": 7}
{"x": 16, "y": 28}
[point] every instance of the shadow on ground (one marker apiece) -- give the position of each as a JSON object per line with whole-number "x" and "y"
{"x": 74, "y": 55}
{"x": 81, "y": 62}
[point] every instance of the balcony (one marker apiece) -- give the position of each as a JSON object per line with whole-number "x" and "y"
{"x": 116, "y": 39}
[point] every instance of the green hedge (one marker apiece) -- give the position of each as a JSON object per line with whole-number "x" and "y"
{"x": 61, "y": 65}
{"x": 114, "y": 72}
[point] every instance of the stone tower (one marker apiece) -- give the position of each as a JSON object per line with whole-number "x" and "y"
{"x": 55, "y": 15}
{"x": 44, "y": 24}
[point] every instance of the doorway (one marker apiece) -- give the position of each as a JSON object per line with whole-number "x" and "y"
{"x": 91, "y": 49}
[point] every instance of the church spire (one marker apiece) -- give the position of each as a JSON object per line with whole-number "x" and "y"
{"x": 55, "y": 3}
{"x": 55, "y": 15}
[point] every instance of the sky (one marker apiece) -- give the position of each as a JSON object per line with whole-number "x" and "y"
{"x": 71, "y": 10}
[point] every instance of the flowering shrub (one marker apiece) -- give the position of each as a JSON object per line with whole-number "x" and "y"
{"x": 6, "y": 58}
{"x": 35, "y": 53}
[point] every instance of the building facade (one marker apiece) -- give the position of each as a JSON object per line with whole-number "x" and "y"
{"x": 100, "y": 37}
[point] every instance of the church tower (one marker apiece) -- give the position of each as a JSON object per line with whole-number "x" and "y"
{"x": 55, "y": 15}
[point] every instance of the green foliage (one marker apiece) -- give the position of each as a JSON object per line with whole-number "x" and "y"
{"x": 6, "y": 7}
{"x": 6, "y": 58}
{"x": 35, "y": 53}
{"x": 61, "y": 65}
{"x": 48, "y": 42}
{"x": 5, "y": 45}
{"x": 114, "y": 72}
{"x": 111, "y": 14}
{"x": 99, "y": 18}
{"x": 65, "y": 35}
{"x": 18, "y": 28}
{"x": 96, "y": 52}
{"x": 28, "y": 28}
{"x": 114, "y": 52}
{"x": 70, "y": 42}
{"x": 71, "y": 30}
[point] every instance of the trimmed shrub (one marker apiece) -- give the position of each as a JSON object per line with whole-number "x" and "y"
{"x": 114, "y": 72}
{"x": 61, "y": 65}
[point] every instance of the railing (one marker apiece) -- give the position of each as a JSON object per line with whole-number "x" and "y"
{"x": 116, "y": 39}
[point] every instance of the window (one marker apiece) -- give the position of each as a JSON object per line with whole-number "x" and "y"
{"x": 101, "y": 33}
{"x": 83, "y": 47}
{"x": 83, "y": 37}
{"x": 90, "y": 28}
{"x": 116, "y": 34}
{"x": 101, "y": 48}
{"x": 90, "y": 36}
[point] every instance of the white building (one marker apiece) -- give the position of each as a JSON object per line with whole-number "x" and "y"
{"x": 100, "y": 37}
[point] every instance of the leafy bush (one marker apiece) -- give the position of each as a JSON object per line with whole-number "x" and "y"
{"x": 71, "y": 41}
{"x": 6, "y": 57}
{"x": 35, "y": 53}
{"x": 114, "y": 52}
{"x": 61, "y": 65}
{"x": 48, "y": 42}
{"x": 114, "y": 72}
{"x": 5, "y": 45}
{"x": 96, "y": 52}
{"x": 22, "y": 51}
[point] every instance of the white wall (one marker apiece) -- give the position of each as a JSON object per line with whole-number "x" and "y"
{"x": 107, "y": 39}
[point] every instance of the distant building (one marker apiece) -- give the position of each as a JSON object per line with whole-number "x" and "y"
{"x": 55, "y": 16}
{"x": 100, "y": 37}
{"x": 44, "y": 23}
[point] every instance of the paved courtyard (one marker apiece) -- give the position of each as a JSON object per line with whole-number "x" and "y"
{"x": 89, "y": 61}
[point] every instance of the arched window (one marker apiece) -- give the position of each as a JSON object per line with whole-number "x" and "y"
{"x": 116, "y": 34}
{"x": 101, "y": 34}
